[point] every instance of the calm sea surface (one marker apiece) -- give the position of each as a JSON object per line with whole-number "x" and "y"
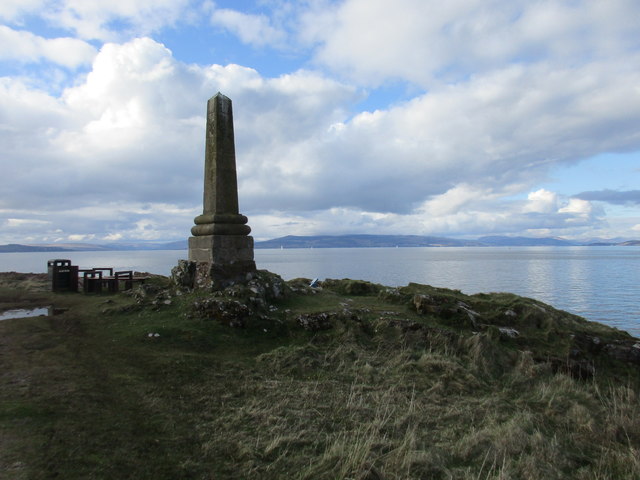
{"x": 599, "y": 283}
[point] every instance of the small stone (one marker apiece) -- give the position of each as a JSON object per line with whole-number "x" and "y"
{"x": 315, "y": 321}
{"x": 539, "y": 307}
{"x": 509, "y": 332}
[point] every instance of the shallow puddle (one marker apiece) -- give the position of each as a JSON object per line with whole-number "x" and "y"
{"x": 25, "y": 312}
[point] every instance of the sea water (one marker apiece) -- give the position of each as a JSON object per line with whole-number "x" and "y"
{"x": 598, "y": 283}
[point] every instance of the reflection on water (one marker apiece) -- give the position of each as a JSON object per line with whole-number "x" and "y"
{"x": 24, "y": 313}
{"x": 599, "y": 283}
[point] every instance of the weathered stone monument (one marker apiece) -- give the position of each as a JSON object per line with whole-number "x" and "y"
{"x": 220, "y": 250}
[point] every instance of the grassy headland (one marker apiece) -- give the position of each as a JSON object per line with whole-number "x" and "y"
{"x": 348, "y": 381}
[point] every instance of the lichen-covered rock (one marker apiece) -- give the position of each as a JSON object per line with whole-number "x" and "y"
{"x": 315, "y": 321}
{"x": 585, "y": 344}
{"x": 327, "y": 320}
{"x": 229, "y": 312}
{"x": 183, "y": 275}
{"x": 347, "y": 286}
{"x": 473, "y": 316}
{"x": 507, "y": 332}
{"x": 267, "y": 285}
{"x": 145, "y": 292}
{"x": 627, "y": 352}
{"x": 236, "y": 304}
{"x": 302, "y": 286}
{"x": 425, "y": 304}
{"x": 393, "y": 295}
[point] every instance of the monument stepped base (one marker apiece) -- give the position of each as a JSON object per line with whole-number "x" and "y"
{"x": 221, "y": 249}
{"x": 216, "y": 262}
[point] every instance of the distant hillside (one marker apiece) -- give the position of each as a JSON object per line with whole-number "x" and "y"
{"x": 327, "y": 241}
{"x": 179, "y": 245}
{"x": 16, "y": 248}
{"x": 89, "y": 247}
{"x": 630, "y": 243}
{"x": 362, "y": 241}
{"x": 502, "y": 241}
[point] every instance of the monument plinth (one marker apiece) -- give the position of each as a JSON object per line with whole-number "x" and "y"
{"x": 220, "y": 245}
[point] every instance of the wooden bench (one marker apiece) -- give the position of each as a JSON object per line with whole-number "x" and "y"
{"x": 103, "y": 279}
{"x": 94, "y": 280}
{"x": 128, "y": 277}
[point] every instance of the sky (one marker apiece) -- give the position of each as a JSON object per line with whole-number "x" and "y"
{"x": 461, "y": 118}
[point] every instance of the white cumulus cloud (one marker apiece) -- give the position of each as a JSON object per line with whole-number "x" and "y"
{"x": 26, "y": 47}
{"x": 132, "y": 133}
{"x": 100, "y": 19}
{"x": 252, "y": 29}
{"x": 542, "y": 201}
{"x": 428, "y": 41}
{"x": 11, "y": 10}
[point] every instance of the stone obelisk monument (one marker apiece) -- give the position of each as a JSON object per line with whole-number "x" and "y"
{"x": 221, "y": 246}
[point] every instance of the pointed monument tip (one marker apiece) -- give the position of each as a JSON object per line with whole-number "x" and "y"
{"x": 222, "y": 97}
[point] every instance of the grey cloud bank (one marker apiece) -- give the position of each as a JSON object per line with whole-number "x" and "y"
{"x": 611, "y": 196}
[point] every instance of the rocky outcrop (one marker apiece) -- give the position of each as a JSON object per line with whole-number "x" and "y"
{"x": 237, "y": 304}
{"x": 191, "y": 275}
{"x": 455, "y": 311}
{"x": 627, "y": 352}
{"x": 425, "y": 314}
{"x": 347, "y": 286}
{"x": 327, "y": 320}
{"x": 183, "y": 275}
{"x": 229, "y": 312}
{"x": 208, "y": 276}
{"x": 315, "y": 321}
